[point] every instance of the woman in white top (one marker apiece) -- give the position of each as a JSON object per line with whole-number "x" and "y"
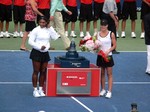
{"x": 39, "y": 40}
{"x": 108, "y": 41}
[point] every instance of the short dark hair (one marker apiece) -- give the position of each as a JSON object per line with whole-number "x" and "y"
{"x": 43, "y": 18}
{"x": 104, "y": 22}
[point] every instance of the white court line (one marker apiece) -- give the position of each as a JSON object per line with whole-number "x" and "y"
{"x": 116, "y": 83}
{"x": 87, "y": 108}
{"x": 132, "y": 83}
{"x": 7, "y": 83}
{"x": 30, "y": 50}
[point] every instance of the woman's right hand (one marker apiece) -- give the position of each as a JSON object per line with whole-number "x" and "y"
{"x": 51, "y": 18}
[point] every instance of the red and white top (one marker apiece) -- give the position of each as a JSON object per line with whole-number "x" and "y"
{"x": 30, "y": 15}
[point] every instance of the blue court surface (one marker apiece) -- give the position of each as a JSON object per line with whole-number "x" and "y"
{"x": 131, "y": 85}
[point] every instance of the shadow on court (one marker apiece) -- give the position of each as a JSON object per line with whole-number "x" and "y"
{"x": 131, "y": 84}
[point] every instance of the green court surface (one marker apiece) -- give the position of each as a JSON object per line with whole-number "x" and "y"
{"x": 123, "y": 44}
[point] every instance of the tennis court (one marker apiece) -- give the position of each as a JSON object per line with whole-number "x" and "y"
{"x": 131, "y": 85}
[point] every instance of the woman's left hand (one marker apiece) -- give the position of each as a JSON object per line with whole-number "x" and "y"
{"x": 43, "y": 47}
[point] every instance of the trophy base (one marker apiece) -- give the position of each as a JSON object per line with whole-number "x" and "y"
{"x": 80, "y": 62}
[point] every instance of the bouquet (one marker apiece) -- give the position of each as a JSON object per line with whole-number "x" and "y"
{"x": 91, "y": 44}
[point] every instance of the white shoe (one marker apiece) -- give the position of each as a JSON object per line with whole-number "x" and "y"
{"x": 123, "y": 35}
{"x": 36, "y": 93}
{"x": 142, "y": 35}
{"x": 117, "y": 34}
{"x": 95, "y": 34}
{"x": 88, "y": 34}
{"x": 41, "y": 93}
{"x": 81, "y": 34}
{"x": 58, "y": 35}
{"x": 16, "y": 34}
{"x": 103, "y": 92}
{"x": 21, "y": 34}
{"x": 108, "y": 94}
{"x": 73, "y": 34}
{"x": 133, "y": 35}
{"x": 1, "y": 34}
{"x": 66, "y": 33}
{"x": 6, "y": 34}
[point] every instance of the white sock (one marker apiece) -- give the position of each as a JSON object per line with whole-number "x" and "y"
{"x": 132, "y": 32}
{"x": 35, "y": 89}
{"x": 108, "y": 91}
{"x": 40, "y": 88}
{"x": 72, "y": 31}
{"x": 123, "y": 32}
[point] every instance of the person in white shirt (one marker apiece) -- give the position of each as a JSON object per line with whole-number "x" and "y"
{"x": 110, "y": 14}
{"x": 108, "y": 44}
{"x": 147, "y": 40}
{"x": 39, "y": 40}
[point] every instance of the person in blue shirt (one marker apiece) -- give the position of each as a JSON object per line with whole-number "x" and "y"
{"x": 56, "y": 20}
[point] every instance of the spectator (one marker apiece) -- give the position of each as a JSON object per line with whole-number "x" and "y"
{"x": 5, "y": 15}
{"x": 98, "y": 6}
{"x": 56, "y": 20}
{"x": 145, "y": 9}
{"x": 110, "y": 12}
{"x": 39, "y": 40}
{"x": 119, "y": 16}
{"x": 72, "y": 6}
{"x": 129, "y": 9}
{"x": 30, "y": 18}
{"x": 85, "y": 15}
{"x": 18, "y": 14}
{"x": 147, "y": 40}
{"x": 1, "y": 33}
{"x": 44, "y": 8}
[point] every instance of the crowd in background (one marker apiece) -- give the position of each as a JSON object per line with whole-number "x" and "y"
{"x": 88, "y": 11}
